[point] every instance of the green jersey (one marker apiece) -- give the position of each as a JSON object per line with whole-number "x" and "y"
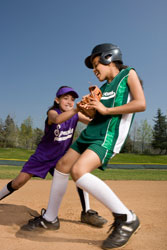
{"x": 110, "y": 131}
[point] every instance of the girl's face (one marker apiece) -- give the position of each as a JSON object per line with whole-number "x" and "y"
{"x": 66, "y": 102}
{"x": 102, "y": 72}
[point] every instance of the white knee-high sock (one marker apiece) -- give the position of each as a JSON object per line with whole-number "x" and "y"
{"x": 58, "y": 189}
{"x": 6, "y": 190}
{"x": 103, "y": 193}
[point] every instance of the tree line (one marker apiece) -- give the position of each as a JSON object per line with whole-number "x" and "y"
{"x": 25, "y": 136}
{"x": 142, "y": 139}
{"x": 146, "y": 139}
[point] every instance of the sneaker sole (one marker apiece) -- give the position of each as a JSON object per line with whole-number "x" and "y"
{"x": 38, "y": 229}
{"x": 135, "y": 232}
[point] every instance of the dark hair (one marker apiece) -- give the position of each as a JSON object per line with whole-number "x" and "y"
{"x": 55, "y": 104}
{"x": 121, "y": 66}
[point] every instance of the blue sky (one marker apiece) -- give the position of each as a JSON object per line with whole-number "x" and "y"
{"x": 43, "y": 44}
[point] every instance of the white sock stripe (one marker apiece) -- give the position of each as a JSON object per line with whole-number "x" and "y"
{"x": 86, "y": 199}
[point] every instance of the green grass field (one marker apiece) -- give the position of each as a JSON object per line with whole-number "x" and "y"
{"x": 15, "y": 153}
{"x": 22, "y": 154}
{"x": 10, "y": 172}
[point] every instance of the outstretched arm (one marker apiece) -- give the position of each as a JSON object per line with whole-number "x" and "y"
{"x": 54, "y": 117}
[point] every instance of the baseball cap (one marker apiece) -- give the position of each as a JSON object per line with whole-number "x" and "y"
{"x": 66, "y": 90}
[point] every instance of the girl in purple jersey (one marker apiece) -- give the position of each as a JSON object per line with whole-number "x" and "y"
{"x": 60, "y": 125}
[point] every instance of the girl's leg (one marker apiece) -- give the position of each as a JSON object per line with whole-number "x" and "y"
{"x": 49, "y": 219}
{"x": 103, "y": 193}
{"x": 88, "y": 215}
{"x": 14, "y": 185}
{"x": 84, "y": 199}
{"x": 80, "y": 172}
{"x": 126, "y": 222}
{"x": 58, "y": 189}
{"x": 59, "y": 183}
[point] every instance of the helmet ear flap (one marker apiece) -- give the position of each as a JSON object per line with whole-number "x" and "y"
{"x": 106, "y": 58}
{"x": 111, "y": 56}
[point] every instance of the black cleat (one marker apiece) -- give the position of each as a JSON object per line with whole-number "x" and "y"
{"x": 40, "y": 222}
{"x": 91, "y": 217}
{"x": 121, "y": 231}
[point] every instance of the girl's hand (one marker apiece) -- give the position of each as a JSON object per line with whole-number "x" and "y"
{"x": 137, "y": 104}
{"x": 94, "y": 103}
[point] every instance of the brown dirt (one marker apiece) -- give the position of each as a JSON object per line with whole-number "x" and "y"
{"x": 147, "y": 198}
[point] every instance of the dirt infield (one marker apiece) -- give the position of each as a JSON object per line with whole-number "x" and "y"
{"x": 147, "y": 198}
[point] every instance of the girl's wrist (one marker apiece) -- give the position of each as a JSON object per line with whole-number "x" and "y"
{"x": 75, "y": 110}
{"x": 107, "y": 111}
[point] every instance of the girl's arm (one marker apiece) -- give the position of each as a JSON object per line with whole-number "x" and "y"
{"x": 137, "y": 104}
{"x": 84, "y": 119}
{"x": 54, "y": 117}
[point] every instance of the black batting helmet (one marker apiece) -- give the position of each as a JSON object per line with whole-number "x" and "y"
{"x": 108, "y": 53}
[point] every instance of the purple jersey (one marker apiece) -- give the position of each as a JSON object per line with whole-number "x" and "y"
{"x": 54, "y": 144}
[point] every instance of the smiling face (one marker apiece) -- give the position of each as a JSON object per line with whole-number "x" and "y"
{"x": 66, "y": 102}
{"x": 104, "y": 72}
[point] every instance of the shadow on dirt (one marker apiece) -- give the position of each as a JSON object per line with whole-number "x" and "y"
{"x": 11, "y": 215}
{"x": 14, "y": 214}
